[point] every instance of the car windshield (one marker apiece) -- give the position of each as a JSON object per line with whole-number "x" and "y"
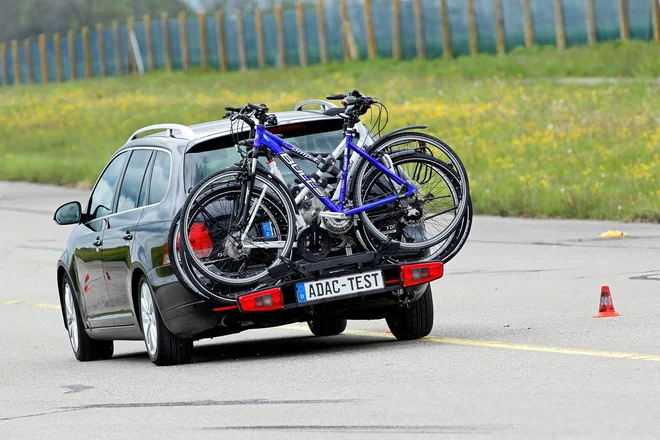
{"x": 314, "y": 138}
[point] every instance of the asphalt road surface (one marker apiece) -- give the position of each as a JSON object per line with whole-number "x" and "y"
{"x": 514, "y": 353}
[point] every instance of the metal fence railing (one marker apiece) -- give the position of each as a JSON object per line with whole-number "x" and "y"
{"x": 334, "y": 30}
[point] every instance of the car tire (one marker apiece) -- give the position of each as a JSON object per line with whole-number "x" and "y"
{"x": 84, "y": 348}
{"x": 414, "y": 321}
{"x": 163, "y": 347}
{"x": 327, "y": 326}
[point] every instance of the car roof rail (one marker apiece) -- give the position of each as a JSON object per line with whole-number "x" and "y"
{"x": 325, "y": 105}
{"x": 185, "y": 132}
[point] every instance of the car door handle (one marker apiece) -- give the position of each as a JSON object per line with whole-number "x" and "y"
{"x": 98, "y": 242}
{"x": 128, "y": 235}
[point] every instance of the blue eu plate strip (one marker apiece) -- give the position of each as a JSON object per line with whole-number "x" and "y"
{"x": 302, "y": 295}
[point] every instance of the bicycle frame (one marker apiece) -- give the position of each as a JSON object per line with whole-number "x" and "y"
{"x": 280, "y": 148}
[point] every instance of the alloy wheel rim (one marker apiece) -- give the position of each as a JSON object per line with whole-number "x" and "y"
{"x": 71, "y": 318}
{"x": 148, "y": 313}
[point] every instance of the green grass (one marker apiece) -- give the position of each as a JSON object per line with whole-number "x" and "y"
{"x": 533, "y": 145}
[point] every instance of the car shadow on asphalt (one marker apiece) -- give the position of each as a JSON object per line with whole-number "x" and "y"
{"x": 271, "y": 348}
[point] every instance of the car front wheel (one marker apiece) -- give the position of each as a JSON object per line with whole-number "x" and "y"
{"x": 84, "y": 348}
{"x": 415, "y": 320}
{"x": 163, "y": 347}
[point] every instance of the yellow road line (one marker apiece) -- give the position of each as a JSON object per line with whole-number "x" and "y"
{"x": 505, "y": 345}
{"x": 441, "y": 340}
{"x": 12, "y": 302}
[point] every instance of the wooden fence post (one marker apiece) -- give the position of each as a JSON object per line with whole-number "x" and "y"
{"x": 396, "y": 30}
{"x": 71, "y": 40}
{"x": 87, "y": 52}
{"x": 499, "y": 28}
{"x": 43, "y": 59}
{"x": 281, "y": 47}
{"x": 3, "y": 64}
{"x": 27, "y": 52}
{"x": 473, "y": 32}
{"x": 117, "y": 48}
{"x": 560, "y": 30}
{"x": 259, "y": 28}
{"x": 447, "y": 51}
{"x": 148, "y": 38}
{"x": 302, "y": 42}
{"x": 529, "y": 24}
{"x": 350, "y": 47}
{"x": 371, "y": 38}
{"x": 132, "y": 59}
{"x": 419, "y": 29}
{"x": 242, "y": 53}
{"x": 323, "y": 37}
{"x": 100, "y": 41}
{"x": 590, "y": 16}
{"x": 167, "y": 47}
{"x": 203, "y": 41}
{"x": 58, "y": 56}
{"x": 222, "y": 47}
{"x": 16, "y": 62}
{"x": 183, "y": 40}
{"x": 655, "y": 15}
{"x": 624, "y": 23}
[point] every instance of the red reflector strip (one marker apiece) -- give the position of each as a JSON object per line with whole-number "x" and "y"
{"x": 222, "y": 309}
{"x": 263, "y": 301}
{"x": 414, "y": 274}
{"x": 390, "y": 282}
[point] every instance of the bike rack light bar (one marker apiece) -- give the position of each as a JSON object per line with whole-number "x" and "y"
{"x": 186, "y": 132}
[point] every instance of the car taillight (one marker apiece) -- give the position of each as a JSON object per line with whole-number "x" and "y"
{"x": 166, "y": 251}
{"x": 420, "y": 273}
{"x": 200, "y": 240}
{"x": 265, "y": 300}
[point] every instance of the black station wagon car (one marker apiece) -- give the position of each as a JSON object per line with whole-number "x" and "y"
{"x": 116, "y": 280}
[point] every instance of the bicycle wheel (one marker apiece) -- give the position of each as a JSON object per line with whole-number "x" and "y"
{"x": 416, "y": 223}
{"x": 447, "y": 249}
{"x": 426, "y": 144}
{"x": 224, "y": 251}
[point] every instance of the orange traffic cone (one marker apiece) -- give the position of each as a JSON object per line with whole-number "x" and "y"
{"x": 606, "y": 304}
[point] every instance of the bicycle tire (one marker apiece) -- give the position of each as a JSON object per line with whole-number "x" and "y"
{"x": 396, "y": 217}
{"x": 452, "y": 245}
{"x": 276, "y": 197}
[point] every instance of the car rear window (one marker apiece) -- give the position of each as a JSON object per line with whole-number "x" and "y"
{"x": 220, "y": 153}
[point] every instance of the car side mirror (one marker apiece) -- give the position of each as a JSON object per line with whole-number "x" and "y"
{"x": 68, "y": 214}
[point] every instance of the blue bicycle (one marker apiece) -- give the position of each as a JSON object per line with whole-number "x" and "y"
{"x": 242, "y": 221}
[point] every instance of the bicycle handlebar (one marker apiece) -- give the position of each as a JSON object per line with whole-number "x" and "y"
{"x": 336, "y": 96}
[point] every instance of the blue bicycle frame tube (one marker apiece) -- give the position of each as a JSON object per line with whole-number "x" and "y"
{"x": 280, "y": 147}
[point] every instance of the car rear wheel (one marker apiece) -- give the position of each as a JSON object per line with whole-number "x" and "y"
{"x": 327, "y": 326}
{"x": 84, "y": 347}
{"x": 163, "y": 347}
{"x": 414, "y": 321}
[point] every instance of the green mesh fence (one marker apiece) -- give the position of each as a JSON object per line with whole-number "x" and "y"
{"x": 607, "y": 28}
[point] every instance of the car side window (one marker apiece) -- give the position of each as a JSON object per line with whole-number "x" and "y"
{"x": 133, "y": 177}
{"x": 100, "y": 204}
{"x": 160, "y": 178}
{"x": 142, "y": 201}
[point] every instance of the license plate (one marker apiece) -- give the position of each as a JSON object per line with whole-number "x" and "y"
{"x": 339, "y": 286}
